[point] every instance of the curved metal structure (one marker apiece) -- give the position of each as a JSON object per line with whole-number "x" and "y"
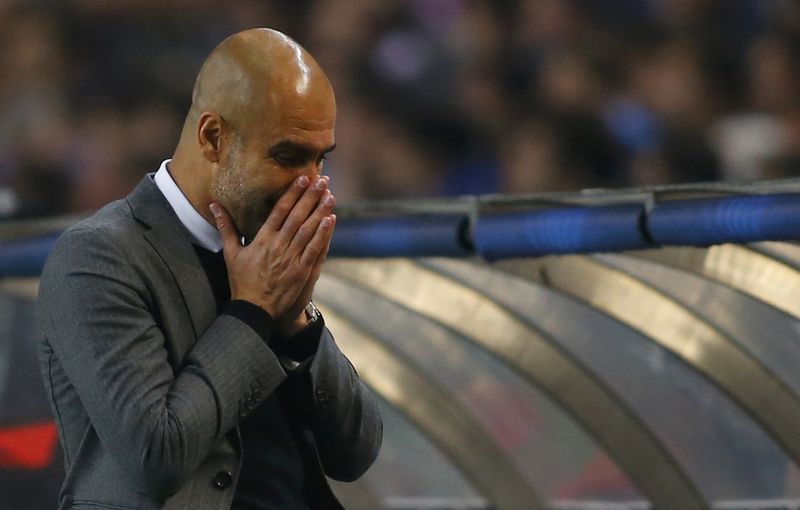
{"x": 788, "y": 253}
{"x": 753, "y": 385}
{"x": 756, "y": 326}
{"x": 757, "y": 274}
{"x": 538, "y": 359}
{"x": 439, "y": 416}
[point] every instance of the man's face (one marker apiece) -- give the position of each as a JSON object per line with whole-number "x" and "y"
{"x": 290, "y": 140}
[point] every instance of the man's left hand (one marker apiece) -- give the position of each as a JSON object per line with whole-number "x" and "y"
{"x": 295, "y": 319}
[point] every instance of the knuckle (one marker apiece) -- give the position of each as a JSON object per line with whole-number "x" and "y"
{"x": 313, "y": 253}
{"x": 291, "y": 222}
{"x": 260, "y": 243}
{"x": 282, "y": 208}
{"x": 305, "y": 232}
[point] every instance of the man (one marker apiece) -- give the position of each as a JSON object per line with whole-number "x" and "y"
{"x": 180, "y": 380}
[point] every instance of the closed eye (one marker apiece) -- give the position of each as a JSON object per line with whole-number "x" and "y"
{"x": 290, "y": 160}
{"x": 290, "y": 155}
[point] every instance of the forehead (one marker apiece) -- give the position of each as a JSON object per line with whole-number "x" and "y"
{"x": 307, "y": 118}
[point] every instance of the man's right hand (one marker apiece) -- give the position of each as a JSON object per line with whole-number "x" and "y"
{"x": 274, "y": 268}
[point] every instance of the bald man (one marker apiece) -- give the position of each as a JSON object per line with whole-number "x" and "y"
{"x": 186, "y": 365}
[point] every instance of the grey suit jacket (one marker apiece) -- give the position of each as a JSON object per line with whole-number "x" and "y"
{"x": 148, "y": 384}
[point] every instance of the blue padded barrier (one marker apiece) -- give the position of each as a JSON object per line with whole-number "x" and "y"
{"x": 560, "y": 230}
{"x": 556, "y": 230}
{"x": 410, "y": 236}
{"x": 25, "y": 257}
{"x": 733, "y": 219}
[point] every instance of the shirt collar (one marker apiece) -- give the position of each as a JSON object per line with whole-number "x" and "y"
{"x": 203, "y": 233}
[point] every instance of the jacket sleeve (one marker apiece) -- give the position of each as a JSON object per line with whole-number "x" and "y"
{"x": 158, "y": 421}
{"x": 345, "y": 418}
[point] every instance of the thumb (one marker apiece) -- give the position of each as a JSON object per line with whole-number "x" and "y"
{"x": 227, "y": 230}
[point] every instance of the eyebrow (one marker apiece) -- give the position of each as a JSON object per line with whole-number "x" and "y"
{"x": 297, "y": 147}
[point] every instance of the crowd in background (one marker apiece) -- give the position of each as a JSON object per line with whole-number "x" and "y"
{"x": 435, "y": 97}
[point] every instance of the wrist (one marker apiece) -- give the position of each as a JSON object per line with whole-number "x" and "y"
{"x": 290, "y": 327}
{"x": 307, "y": 316}
{"x": 252, "y": 315}
{"x": 256, "y": 300}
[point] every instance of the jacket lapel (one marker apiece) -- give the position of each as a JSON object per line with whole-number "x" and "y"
{"x": 171, "y": 241}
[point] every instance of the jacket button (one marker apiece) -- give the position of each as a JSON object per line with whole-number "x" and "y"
{"x": 322, "y": 396}
{"x": 222, "y": 480}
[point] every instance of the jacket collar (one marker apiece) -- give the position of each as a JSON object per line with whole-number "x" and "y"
{"x": 171, "y": 241}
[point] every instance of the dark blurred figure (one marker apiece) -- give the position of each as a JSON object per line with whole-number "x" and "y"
{"x": 460, "y": 96}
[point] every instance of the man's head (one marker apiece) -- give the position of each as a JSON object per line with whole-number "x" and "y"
{"x": 262, "y": 114}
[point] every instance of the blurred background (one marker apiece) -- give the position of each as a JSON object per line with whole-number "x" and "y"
{"x": 436, "y": 97}
{"x": 442, "y": 98}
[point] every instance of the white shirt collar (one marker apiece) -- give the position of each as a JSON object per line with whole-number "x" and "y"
{"x": 203, "y": 233}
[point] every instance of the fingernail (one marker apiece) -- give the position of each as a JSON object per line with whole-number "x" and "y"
{"x": 326, "y": 222}
{"x": 329, "y": 200}
{"x": 214, "y": 209}
{"x": 321, "y": 184}
{"x": 302, "y": 181}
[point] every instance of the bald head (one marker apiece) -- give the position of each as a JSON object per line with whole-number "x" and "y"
{"x": 251, "y": 73}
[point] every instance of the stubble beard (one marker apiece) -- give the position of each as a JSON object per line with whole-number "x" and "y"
{"x": 230, "y": 190}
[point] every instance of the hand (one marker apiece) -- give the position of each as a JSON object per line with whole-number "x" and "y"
{"x": 296, "y": 319}
{"x": 276, "y": 267}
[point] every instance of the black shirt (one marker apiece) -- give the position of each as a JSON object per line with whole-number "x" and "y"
{"x": 275, "y": 460}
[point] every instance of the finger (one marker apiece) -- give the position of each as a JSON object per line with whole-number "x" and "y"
{"x": 315, "y": 195}
{"x": 317, "y": 245}
{"x": 324, "y": 255}
{"x": 285, "y": 204}
{"x": 309, "y": 227}
{"x": 316, "y": 270}
{"x": 227, "y": 230}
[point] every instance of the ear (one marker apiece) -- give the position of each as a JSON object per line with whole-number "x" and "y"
{"x": 209, "y": 136}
